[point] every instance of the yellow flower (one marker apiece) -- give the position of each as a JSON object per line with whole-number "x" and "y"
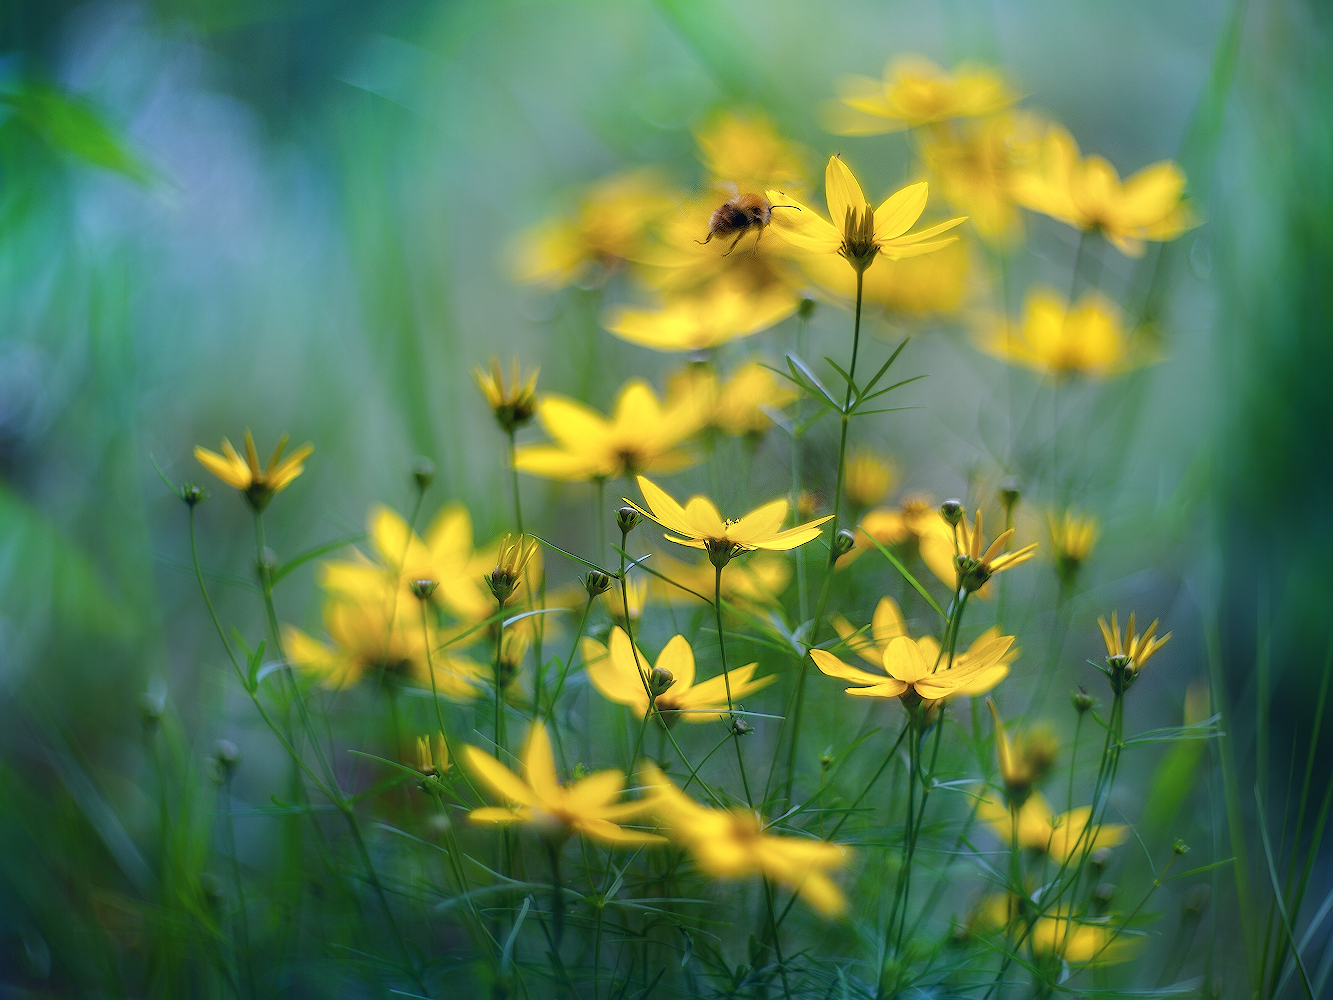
{"x": 446, "y": 556}
{"x": 1023, "y": 763}
{"x": 858, "y": 232}
{"x": 433, "y": 755}
{"x": 1088, "y": 194}
{"x": 511, "y": 559}
{"x": 715, "y": 314}
{"x": 703, "y": 527}
{"x": 613, "y": 671}
{"x": 917, "y": 286}
{"x": 640, "y": 436}
{"x": 914, "y": 669}
{"x": 244, "y": 474}
{"x": 973, "y": 567}
{"x": 973, "y": 166}
{"x": 755, "y": 582}
{"x": 514, "y": 403}
{"x": 739, "y": 405}
{"x": 1126, "y": 653}
{"x": 733, "y": 844}
{"x": 914, "y": 519}
{"x": 868, "y": 478}
{"x": 914, "y": 91}
{"x": 369, "y": 637}
{"x": 608, "y": 227}
{"x": 636, "y": 595}
{"x": 1087, "y": 340}
{"x": 1080, "y": 942}
{"x": 1058, "y": 836}
{"x": 1073, "y": 538}
{"x": 587, "y": 806}
{"x": 748, "y": 151}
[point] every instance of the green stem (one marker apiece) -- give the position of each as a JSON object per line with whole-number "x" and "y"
{"x": 229, "y": 825}
{"x": 846, "y": 410}
{"x": 513, "y": 474}
{"x": 726, "y": 680}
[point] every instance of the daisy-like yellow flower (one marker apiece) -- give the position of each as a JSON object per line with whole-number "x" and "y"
{"x": 608, "y": 227}
{"x": 369, "y": 638}
{"x": 747, "y": 151}
{"x": 733, "y": 844}
{"x": 915, "y": 91}
{"x": 1087, "y": 193}
{"x": 1127, "y": 653}
{"x": 917, "y": 286}
{"x": 757, "y": 582}
{"x": 258, "y": 485}
{"x": 737, "y": 406}
{"x": 511, "y": 559}
{"x": 1060, "y": 837}
{"x": 514, "y": 402}
{"x": 1088, "y": 339}
{"x": 974, "y": 566}
{"x": 868, "y": 478}
{"x": 433, "y": 755}
{"x": 641, "y": 435}
{"x": 719, "y": 312}
{"x": 621, "y": 678}
{"x": 859, "y": 233}
{"x": 1023, "y": 763}
{"x": 914, "y": 669}
{"x": 1073, "y": 537}
{"x": 588, "y": 806}
{"x": 702, "y": 527}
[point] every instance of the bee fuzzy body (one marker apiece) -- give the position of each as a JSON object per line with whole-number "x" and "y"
{"x": 738, "y": 216}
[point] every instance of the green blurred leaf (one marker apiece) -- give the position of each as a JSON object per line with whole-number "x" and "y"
{"x": 71, "y": 126}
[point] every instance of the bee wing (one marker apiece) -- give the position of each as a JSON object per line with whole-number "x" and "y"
{"x": 729, "y": 187}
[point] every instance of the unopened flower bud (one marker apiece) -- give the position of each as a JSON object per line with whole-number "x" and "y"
{"x": 1179, "y": 848}
{"x": 151, "y": 706}
{"x": 1102, "y": 896}
{"x": 596, "y": 582}
{"x": 1197, "y": 899}
{"x": 1082, "y": 701}
{"x": 740, "y": 727}
{"x": 660, "y": 679}
{"x": 267, "y": 562}
{"x": 192, "y": 494}
{"x": 226, "y": 755}
{"x": 422, "y": 589}
{"x": 1098, "y": 861}
{"x": 627, "y": 519}
{"x": 826, "y": 758}
{"x": 423, "y": 472}
{"x": 843, "y": 542}
{"x": 807, "y": 307}
{"x": 952, "y": 511}
{"x": 579, "y": 772}
{"x": 1009, "y": 495}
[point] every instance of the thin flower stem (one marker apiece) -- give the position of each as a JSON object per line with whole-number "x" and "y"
{"x": 435, "y": 697}
{"x": 846, "y": 411}
{"x": 726, "y": 679}
{"x": 229, "y": 825}
{"x": 499, "y": 683}
{"x": 802, "y": 595}
{"x": 513, "y": 473}
{"x": 798, "y": 696}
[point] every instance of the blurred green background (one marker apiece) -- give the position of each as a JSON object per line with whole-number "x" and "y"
{"x": 303, "y": 216}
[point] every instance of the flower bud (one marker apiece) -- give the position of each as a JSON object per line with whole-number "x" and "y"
{"x": 952, "y": 511}
{"x": 422, "y": 589}
{"x": 1009, "y": 496}
{"x": 660, "y": 679}
{"x": 740, "y": 727}
{"x": 807, "y": 307}
{"x": 1098, "y": 861}
{"x": 192, "y": 494}
{"x": 1102, "y": 896}
{"x": 151, "y": 707}
{"x": 1179, "y": 848}
{"x": 596, "y": 582}
{"x": 226, "y": 756}
{"x": 1081, "y": 700}
{"x": 843, "y": 542}
{"x": 627, "y": 519}
{"x": 1197, "y": 899}
{"x": 423, "y": 472}
{"x": 826, "y": 758}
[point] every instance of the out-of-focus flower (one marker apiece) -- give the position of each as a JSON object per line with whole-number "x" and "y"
{"x": 1126, "y": 653}
{"x": 370, "y": 637}
{"x": 1058, "y": 836}
{"x": 258, "y": 485}
{"x": 538, "y": 799}
{"x": 755, "y": 582}
{"x": 1079, "y": 941}
{"x": 640, "y": 436}
{"x": 1023, "y": 762}
{"x": 1073, "y": 538}
{"x": 914, "y": 518}
{"x": 621, "y": 678}
{"x": 747, "y": 151}
{"x": 433, "y": 755}
{"x": 717, "y": 313}
{"x": 1087, "y": 340}
{"x": 915, "y": 670}
{"x": 636, "y": 595}
{"x": 1087, "y": 193}
{"x": 973, "y": 165}
{"x": 738, "y": 405}
{"x": 917, "y": 286}
{"x": 515, "y": 403}
{"x": 858, "y": 232}
{"x": 868, "y": 478}
{"x": 608, "y": 227}
{"x": 733, "y": 844}
{"x": 915, "y": 91}
{"x": 702, "y": 527}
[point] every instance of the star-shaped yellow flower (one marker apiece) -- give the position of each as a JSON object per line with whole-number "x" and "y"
{"x": 733, "y": 844}
{"x": 719, "y": 312}
{"x": 915, "y": 91}
{"x": 1058, "y": 836}
{"x": 258, "y": 485}
{"x": 1087, "y": 193}
{"x": 614, "y": 672}
{"x": 702, "y": 527}
{"x": 1126, "y": 653}
{"x": 1088, "y": 339}
{"x": 1073, "y": 537}
{"x": 973, "y": 567}
{"x": 642, "y": 435}
{"x": 859, "y": 233}
{"x": 513, "y": 401}
{"x": 587, "y": 806}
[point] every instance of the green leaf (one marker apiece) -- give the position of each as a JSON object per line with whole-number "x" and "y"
{"x": 906, "y": 575}
{"x": 298, "y": 561}
{"x": 70, "y": 125}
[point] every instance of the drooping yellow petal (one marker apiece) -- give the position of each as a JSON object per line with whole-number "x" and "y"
{"x": 501, "y": 780}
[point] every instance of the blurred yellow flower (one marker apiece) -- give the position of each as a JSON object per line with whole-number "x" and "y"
{"x": 1023, "y": 762}
{"x": 733, "y": 844}
{"x": 748, "y": 584}
{"x": 1087, "y": 340}
{"x": 433, "y": 755}
{"x": 915, "y": 91}
{"x": 1088, "y": 194}
{"x": 640, "y": 436}
{"x": 738, "y": 405}
{"x": 369, "y": 637}
{"x": 514, "y": 403}
{"x": 715, "y": 314}
{"x": 1126, "y": 653}
{"x": 1058, "y": 836}
{"x": 703, "y": 527}
{"x": 258, "y": 485}
{"x": 858, "y": 232}
{"x": 915, "y": 668}
{"x": 614, "y": 672}
{"x": 916, "y": 517}
{"x": 1073, "y": 537}
{"x": 636, "y": 595}
{"x": 1080, "y": 941}
{"x": 868, "y": 478}
{"x": 918, "y": 286}
{"x": 607, "y": 228}
{"x": 587, "y": 806}
{"x": 747, "y": 151}
{"x": 974, "y": 164}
